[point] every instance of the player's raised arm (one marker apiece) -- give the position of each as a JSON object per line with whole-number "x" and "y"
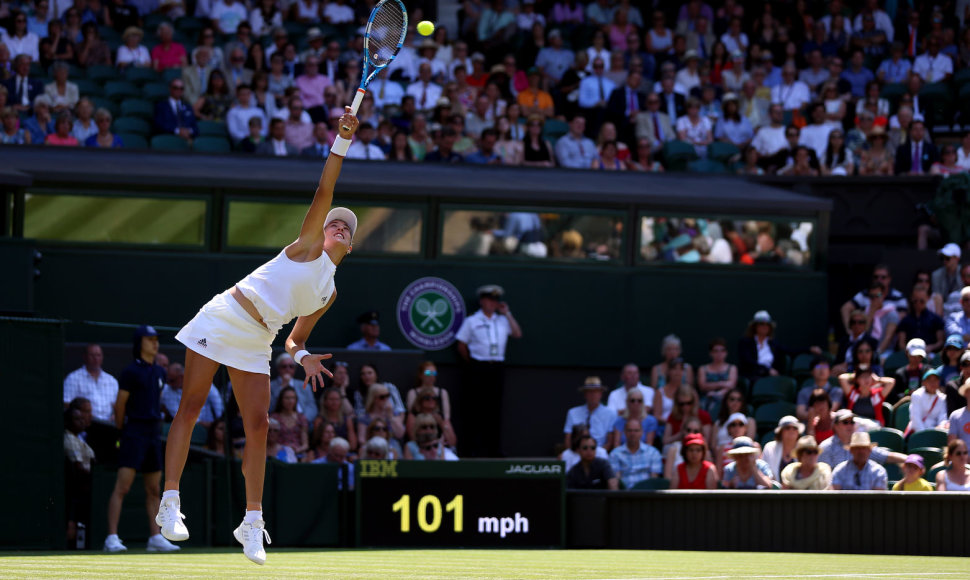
{"x": 312, "y": 229}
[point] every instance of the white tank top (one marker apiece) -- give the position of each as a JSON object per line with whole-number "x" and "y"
{"x": 953, "y": 486}
{"x": 282, "y": 289}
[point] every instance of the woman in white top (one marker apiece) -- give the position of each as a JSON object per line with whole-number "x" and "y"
{"x": 598, "y": 50}
{"x": 63, "y": 93}
{"x": 22, "y": 41}
{"x": 688, "y": 76}
{"x": 695, "y": 128}
{"x": 132, "y": 52}
{"x": 954, "y": 476}
{"x": 237, "y": 328}
{"x": 659, "y": 38}
{"x": 963, "y": 152}
{"x": 780, "y": 452}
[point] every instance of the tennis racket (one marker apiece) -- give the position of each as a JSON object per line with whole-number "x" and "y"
{"x": 383, "y": 38}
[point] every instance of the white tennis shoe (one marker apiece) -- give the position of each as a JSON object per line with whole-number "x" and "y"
{"x": 157, "y": 543}
{"x": 251, "y": 538}
{"x": 113, "y": 544}
{"x": 169, "y": 518}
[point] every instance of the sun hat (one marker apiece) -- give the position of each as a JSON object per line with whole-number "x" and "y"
{"x": 737, "y": 417}
{"x": 860, "y": 439}
{"x": 805, "y": 443}
{"x": 591, "y": 383}
{"x": 742, "y": 446}
{"x": 789, "y": 421}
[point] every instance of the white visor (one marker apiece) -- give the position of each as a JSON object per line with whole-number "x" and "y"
{"x": 345, "y": 215}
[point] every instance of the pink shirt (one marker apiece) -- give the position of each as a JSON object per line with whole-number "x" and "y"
{"x": 311, "y": 89}
{"x": 53, "y": 139}
{"x": 168, "y": 58}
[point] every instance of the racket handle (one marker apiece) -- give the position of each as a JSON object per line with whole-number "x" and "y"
{"x": 358, "y": 98}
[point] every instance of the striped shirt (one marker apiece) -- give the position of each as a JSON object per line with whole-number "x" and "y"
{"x": 101, "y": 391}
{"x": 848, "y": 476}
{"x": 636, "y": 466}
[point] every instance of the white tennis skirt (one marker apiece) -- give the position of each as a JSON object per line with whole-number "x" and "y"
{"x": 224, "y": 332}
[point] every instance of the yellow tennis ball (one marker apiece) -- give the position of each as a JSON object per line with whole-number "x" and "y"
{"x": 425, "y": 27}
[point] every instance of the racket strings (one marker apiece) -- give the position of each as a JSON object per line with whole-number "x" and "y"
{"x": 386, "y": 33}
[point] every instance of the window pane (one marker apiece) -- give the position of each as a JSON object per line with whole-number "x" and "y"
{"x": 532, "y": 235}
{"x": 260, "y": 224}
{"x": 109, "y": 219}
{"x": 726, "y": 241}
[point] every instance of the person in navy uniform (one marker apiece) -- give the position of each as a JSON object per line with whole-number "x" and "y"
{"x": 370, "y": 331}
{"x": 138, "y": 414}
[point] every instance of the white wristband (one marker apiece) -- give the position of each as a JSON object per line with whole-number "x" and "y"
{"x": 298, "y": 357}
{"x": 340, "y": 146}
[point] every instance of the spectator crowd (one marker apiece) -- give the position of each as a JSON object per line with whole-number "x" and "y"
{"x": 808, "y": 88}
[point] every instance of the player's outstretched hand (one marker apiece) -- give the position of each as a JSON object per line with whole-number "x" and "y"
{"x": 315, "y": 370}
{"x": 348, "y": 124}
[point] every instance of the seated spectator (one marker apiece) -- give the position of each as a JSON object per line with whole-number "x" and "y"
{"x": 590, "y": 471}
{"x": 40, "y": 124}
{"x": 950, "y": 357}
{"x": 85, "y": 125}
{"x": 425, "y": 92}
{"x": 634, "y": 409}
{"x": 215, "y": 441}
{"x": 913, "y": 471}
{"x": 275, "y": 449}
{"x": 320, "y": 441}
{"x": 93, "y": 50}
{"x": 751, "y": 160}
{"x": 838, "y": 160}
{"x": 400, "y": 148}
{"x": 426, "y": 407}
{"x": 815, "y": 74}
{"x": 801, "y": 163}
{"x": 62, "y": 93}
{"x": 780, "y": 452}
{"x": 276, "y": 145}
{"x": 240, "y": 114}
{"x": 509, "y": 148}
{"x": 910, "y": 376}
{"x": 574, "y": 150}
{"x": 172, "y": 396}
{"x": 594, "y": 414}
{"x": 79, "y": 456}
{"x": 634, "y": 462}
{"x": 816, "y": 134}
{"x": 91, "y": 382}
{"x": 207, "y": 41}
{"x": 694, "y": 128}
{"x": 196, "y": 77}
{"x": 534, "y": 100}
{"x": 376, "y": 448}
{"x": 379, "y": 405}
{"x": 806, "y": 472}
{"x": 917, "y": 154}
{"x": 607, "y": 160}
{"x": 858, "y": 137}
{"x": 877, "y": 159}
{"x": 734, "y": 426}
{"x": 820, "y": 419}
{"x": 695, "y": 472}
{"x": 168, "y": 53}
{"x": 12, "y": 133}
{"x": 363, "y": 146}
{"x": 132, "y": 52}
{"x": 294, "y": 427}
{"x": 214, "y": 103}
{"x": 947, "y": 165}
{"x": 337, "y": 455}
{"x": 865, "y": 392}
{"x": 255, "y": 138}
{"x": 792, "y": 94}
{"x": 733, "y": 127}
{"x": 821, "y": 373}
{"x": 863, "y": 353}
{"x": 444, "y": 152}
{"x": 571, "y": 455}
{"x": 431, "y": 448}
{"x": 955, "y": 475}
{"x": 654, "y": 125}
{"x": 642, "y": 159}
{"x": 834, "y": 450}
{"x": 746, "y": 471}
{"x": 62, "y": 131}
{"x": 671, "y": 349}
{"x": 486, "y": 154}
{"x": 629, "y": 380}
{"x": 860, "y": 472}
{"x": 932, "y": 66}
{"x": 953, "y": 303}
{"x": 335, "y": 411}
{"x": 716, "y": 378}
{"x": 921, "y": 323}
{"x": 771, "y": 139}
{"x": 954, "y": 399}
{"x": 759, "y": 353}
{"x": 734, "y": 39}
{"x": 927, "y": 407}
{"x": 227, "y": 15}
{"x": 686, "y": 406}
{"x": 174, "y": 115}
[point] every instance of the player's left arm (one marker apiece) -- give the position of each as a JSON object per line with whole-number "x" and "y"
{"x": 296, "y": 342}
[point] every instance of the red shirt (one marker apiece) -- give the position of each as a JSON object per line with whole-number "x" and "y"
{"x": 170, "y": 58}
{"x": 699, "y": 482}
{"x": 674, "y": 424}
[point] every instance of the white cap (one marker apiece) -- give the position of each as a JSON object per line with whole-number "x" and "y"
{"x": 950, "y": 250}
{"x": 916, "y": 347}
{"x": 345, "y": 215}
{"x": 762, "y": 316}
{"x": 737, "y": 417}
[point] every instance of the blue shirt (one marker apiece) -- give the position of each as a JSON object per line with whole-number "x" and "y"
{"x": 858, "y": 80}
{"x": 211, "y": 410}
{"x": 575, "y": 153}
{"x": 600, "y": 421}
{"x": 144, "y": 382}
{"x": 731, "y": 471}
{"x": 479, "y": 158}
{"x": 554, "y": 62}
{"x": 958, "y": 323}
{"x": 649, "y": 425}
{"x": 895, "y": 72}
{"x": 736, "y": 132}
{"x": 633, "y": 467}
{"x": 872, "y": 476}
{"x": 362, "y": 345}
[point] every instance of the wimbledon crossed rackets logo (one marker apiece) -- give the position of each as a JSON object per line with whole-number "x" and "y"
{"x": 429, "y": 313}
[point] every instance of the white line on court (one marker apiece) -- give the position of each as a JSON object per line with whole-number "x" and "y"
{"x": 843, "y": 575}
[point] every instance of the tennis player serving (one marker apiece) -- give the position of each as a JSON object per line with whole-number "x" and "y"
{"x": 237, "y": 328}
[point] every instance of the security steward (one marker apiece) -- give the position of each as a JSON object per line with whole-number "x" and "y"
{"x": 482, "y": 339}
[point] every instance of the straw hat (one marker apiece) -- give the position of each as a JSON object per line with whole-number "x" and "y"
{"x": 132, "y": 31}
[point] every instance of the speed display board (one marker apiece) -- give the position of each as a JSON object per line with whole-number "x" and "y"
{"x": 472, "y": 503}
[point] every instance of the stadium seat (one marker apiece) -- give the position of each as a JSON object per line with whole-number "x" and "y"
{"x": 677, "y": 154}
{"x": 652, "y": 483}
{"x": 767, "y": 437}
{"x": 901, "y": 416}
{"x": 706, "y": 166}
{"x": 108, "y": 33}
{"x": 133, "y": 141}
{"x": 101, "y": 73}
{"x": 140, "y": 75}
{"x": 134, "y": 125}
{"x": 554, "y": 129}
{"x": 199, "y": 435}
{"x": 889, "y": 438}
{"x": 894, "y": 473}
{"x": 166, "y": 427}
{"x": 121, "y": 90}
{"x": 801, "y": 367}
{"x": 891, "y": 93}
{"x": 73, "y": 72}
{"x": 212, "y": 145}
{"x": 170, "y": 74}
{"x": 138, "y": 108}
{"x": 295, "y": 29}
{"x": 769, "y": 389}
{"x": 767, "y": 415}
{"x": 938, "y": 104}
{"x": 213, "y": 129}
{"x": 89, "y": 88}
{"x": 895, "y": 361}
{"x": 931, "y": 455}
{"x": 169, "y": 143}
{"x": 109, "y": 105}
{"x": 724, "y": 152}
{"x": 927, "y": 438}
{"x": 887, "y": 414}
{"x": 930, "y": 473}
{"x": 152, "y": 21}
{"x": 155, "y": 91}
{"x": 189, "y": 25}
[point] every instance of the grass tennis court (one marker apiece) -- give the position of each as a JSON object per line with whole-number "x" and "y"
{"x": 476, "y": 564}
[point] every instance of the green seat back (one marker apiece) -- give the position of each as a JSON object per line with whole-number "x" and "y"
{"x": 554, "y": 129}
{"x": 723, "y": 152}
{"x": 927, "y": 438}
{"x": 895, "y": 361}
{"x": 121, "y": 90}
{"x": 155, "y": 91}
{"x": 776, "y": 388}
{"x": 901, "y": 416}
{"x": 134, "y": 125}
{"x": 170, "y": 74}
{"x": 133, "y": 141}
{"x": 213, "y": 129}
{"x": 89, "y": 88}
{"x": 199, "y": 435}
{"x": 140, "y": 75}
{"x": 652, "y": 483}
{"x": 889, "y": 438}
{"x": 212, "y": 145}
{"x": 107, "y": 104}
{"x": 169, "y": 143}
{"x": 101, "y": 73}
{"x": 138, "y": 108}
{"x": 931, "y": 455}
{"x": 767, "y": 415}
{"x": 706, "y": 166}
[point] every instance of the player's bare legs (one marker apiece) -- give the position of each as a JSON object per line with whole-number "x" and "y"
{"x": 252, "y": 394}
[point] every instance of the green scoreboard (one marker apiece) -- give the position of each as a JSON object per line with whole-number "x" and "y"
{"x": 469, "y": 503}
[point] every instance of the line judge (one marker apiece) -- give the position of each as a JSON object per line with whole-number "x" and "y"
{"x": 482, "y": 339}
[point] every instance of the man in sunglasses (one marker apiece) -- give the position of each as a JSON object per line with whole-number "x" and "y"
{"x": 958, "y": 323}
{"x": 891, "y": 295}
{"x": 835, "y": 449}
{"x": 921, "y": 323}
{"x": 591, "y": 472}
{"x": 909, "y": 377}
{"x": 859, "y": 473}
